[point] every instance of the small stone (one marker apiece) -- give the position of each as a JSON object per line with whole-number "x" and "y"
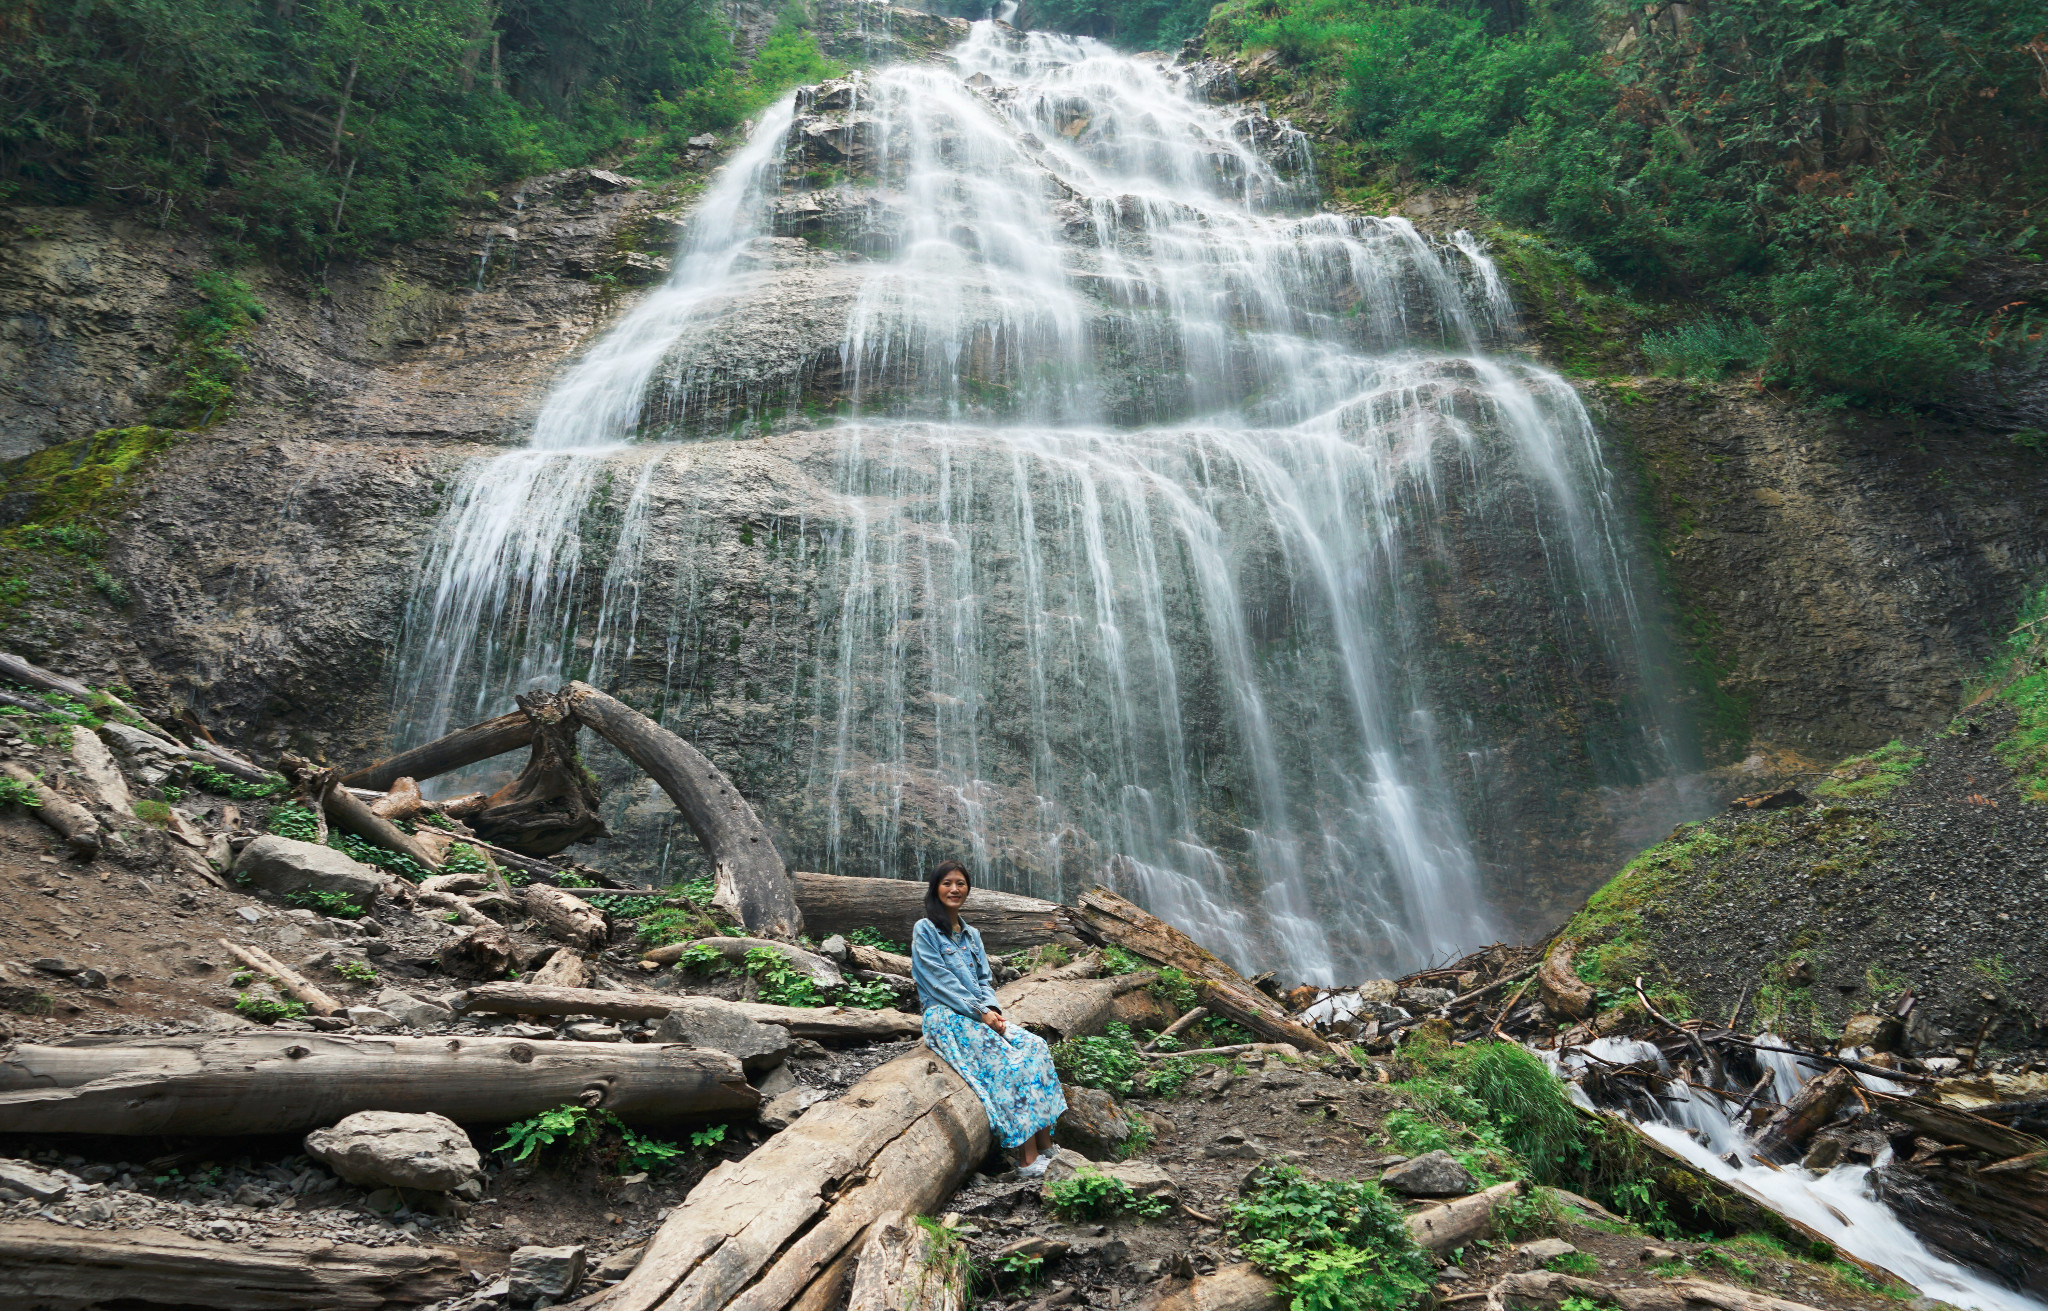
{"x": 544, "y": 1272}
{"x": 1038, "y": 1245}
{"x": 782, "y": 1110}
{"x": 89, "y": 978}
{"x": 1546, "y": 1249}
{"x": 20, "y": 1179}
{"x": 776, "y": 1082}
{"x": 413, "y": 1012}
{"x": 369, "y": 1017}
{"x": 530, "y": 1032}
{"x": 1434, "y": 1174}
{"x": 1657, "y": 1255}
{"x": 619, "y": 1264}
{"x": 593, "y": 1031}
{"x": 250, "y": 914}
{"x": 423, "y": 1151}
{"x": 52, "y": 965}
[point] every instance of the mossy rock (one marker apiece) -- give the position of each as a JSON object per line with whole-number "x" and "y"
{"x": 80, "y": 478}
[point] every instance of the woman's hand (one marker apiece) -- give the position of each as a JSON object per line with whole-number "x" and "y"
{"x": 994, "y": 1020}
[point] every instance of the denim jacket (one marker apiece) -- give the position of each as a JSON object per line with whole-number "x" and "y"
{"x": 951, "y": 971}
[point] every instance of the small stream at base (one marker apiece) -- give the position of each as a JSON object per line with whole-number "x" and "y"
{"x": 1836, "y": 1204}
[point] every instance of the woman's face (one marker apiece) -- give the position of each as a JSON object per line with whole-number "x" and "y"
{"x": 953, "y": 889}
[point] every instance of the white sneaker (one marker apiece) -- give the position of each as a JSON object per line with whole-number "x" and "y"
{"x": 1036, "y": 1168}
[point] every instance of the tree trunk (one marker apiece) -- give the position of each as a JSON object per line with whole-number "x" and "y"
{"x": 445, "y": 755}
{"x": 734, "y": 952}
{"x": 350, "y": 813}
{"x": 73, "y": 822}
{"x": 904, "y": 1266}
{"x": 834, "y": 903}
{"x": 553, "y": 803}
{"x": 825, "y": 1023}
{"x": 1123, "y": 923}
{"x": 1462, "y": 1222}
{"x": 287, "y": 978}
{"x": 1562, "y": 990}
{"x": 266, "y": 1082}
{"x": 57, "y": 1268}
{"x": 568, "y": 917}
{"x": 1231, "y": 1288}
{"x": 227, "y": 761}
{"x": 403, "y": 801}
{"x": 774, "y": 1228}
{"x": 1811, "y": 1107}
{"x": 17, "y": 670}
{"x": 751, "y": 880}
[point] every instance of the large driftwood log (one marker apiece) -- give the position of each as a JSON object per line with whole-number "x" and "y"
{"x": 1461, "y": 1222}
{"x": 293, "y": 982}
{"x": 1231, "y": 1288}
{"x": 403, "y": 801}
{"x": 834, "y": 903}
{"x": 553, "y": 803}
{"x": 444, "y": 755}
{"x": 751, "y": 880}
{"x": 1121, "y": 922}
{"x": 568, "y": 917}
{"x": 227, "y": 761}
{"x": 824, "y": 1023}
{"x": 350, "y": 813}
{"x": 904, "y": 1266}
{"x": 1562, "y": 990}
{"x": 267, "y": 1082}
{"x": 1805, "y": 1111}
{"x": 777, "y": 1227}
{"x": 57, "y": 1268}
{"x": 73, "y": 822}
{"x": 733, "y": 951}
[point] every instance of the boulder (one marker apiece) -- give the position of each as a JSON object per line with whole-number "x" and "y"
{"x": 284, "y": 866}
{"x": 411, "y": 1011}
{"x": 96, "y": 766}
{"x": 542, "y": 1276}
{"x": 1094, "y": 1124}
{"x": 701, "y": 1022}
{"x": 20, "y": 1179}
{"x": 1141, "y": 1177}
{"x": 1878, "y": 1033}
{"x": 146, "y": 756}
{"x": 1434, "y": 1174}
{"x": 428, "y": 1152}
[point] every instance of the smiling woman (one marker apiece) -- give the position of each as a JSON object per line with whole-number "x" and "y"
{"x": 1010, "y": 1069}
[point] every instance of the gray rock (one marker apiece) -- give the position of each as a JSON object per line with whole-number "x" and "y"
{"x": 703, "y": 1023}
{"x": 369, "y": 1017}
{"x": 547, "y": 1274}
{"x": 593, "y": 1031}
{"x": 411, "y": 1011}
{"x": 284, "y": 866}
{"x": 1434, "y": 1174}
{"x": 620, "y": 1263}
{"x": 20, "y": 1179}
{"x": 401, "y": 1150}
{"x": 782, "y": 1110}
{"x": 1143, "y": 1178}
{"x": 776, "y": 1082}
{"x": 1094, "y": 1124}
{"x": 1546, "y": 1249}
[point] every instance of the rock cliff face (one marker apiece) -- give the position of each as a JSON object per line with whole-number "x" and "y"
{"x": 1838, "y": 579}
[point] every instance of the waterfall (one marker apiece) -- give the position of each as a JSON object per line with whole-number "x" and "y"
{"x": 1019, "y": 466}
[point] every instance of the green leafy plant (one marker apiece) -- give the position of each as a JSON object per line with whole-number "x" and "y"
{"x": 869, "y": 937}
{"x": 337, "y": 905}
{"x": 780, "y": 983}
{"x": 568, "y": 1123}
{"x": 1089, "y": 1194}
{"x": 701, "y": 958}
{"x": 1108, "y": 1061}
{"x": 295, "y": 822}
{"x": 369, "y": 853}
{"x": 241, "y": 978}
{"x": 1707, "y": 347}
{"x": 267, "y": 1010}
{"x": 153, "y": 812}
{"x": 1115, "y": 960}
{"x": 571, "y": 1125}
{"x": 223, "y": 784}
{"x": 1335, "y": 1245}
{"x": 355, "y": 971}
{"x": 569, "y": 878}
{"x": 15, "y": 792}
{"x": 1574, "y": 1263}
{"x": 871, "y": 996}
{"x": 700, "y": 891}
{"x": 707, "y": 1138}
{"x": 670, "y": 924}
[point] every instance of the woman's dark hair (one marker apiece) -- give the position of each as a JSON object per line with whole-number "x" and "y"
{"x": 934, "y": 909}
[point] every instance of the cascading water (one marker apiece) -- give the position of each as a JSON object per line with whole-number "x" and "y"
{"x": 1836, "y": 1203}
{"x": 1103, "y": 513}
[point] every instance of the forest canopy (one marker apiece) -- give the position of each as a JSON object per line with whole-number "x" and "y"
{"x": 310, "y": 129}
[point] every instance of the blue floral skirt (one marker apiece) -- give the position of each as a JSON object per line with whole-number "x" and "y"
{"x": 1012, "y": 1075}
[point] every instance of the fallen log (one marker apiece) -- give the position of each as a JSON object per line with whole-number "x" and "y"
{"x": 1178, "y": 1027}
{"x": 72, "y": 822}
{"x": 294, "y": 983}
{"x": 567, "y": 968}
{"x": 350, "y": 813}
{"x": 403, "y": 801}
{"x": 228, "y": 762}
{"x": 443, "y": 755}
{"x": 264, "y": 1082}
{"x": 751, "y": 880}
{"x": 1951, "y": 1124}
{"x": 776, "y": 1228}
{"x": 1805, "y": 1111}
{"x": 876, "y": 960}
{"x": 1461, "y": 1222}
{"x": 834, "y": 903}
{"x": 825, "y": 1023}
{"x": 1231, "y": 1288}
{"x": 1562, "y": 990}
{"x": 1120, "y": 922}
{"x": 906, "y": 1266}
{"x": 57, "y": 1268}
{"x": 1543, "y": 1290}
{"x": 733, "y": 951}
{"x": 15, "y": 669}
{"x": 553, "y": 803}
{"x": 465, "y": 911}
{"x": 568, "y": 917}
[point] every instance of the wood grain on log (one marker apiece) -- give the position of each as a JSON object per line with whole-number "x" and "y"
{"x": 268, "y": 1082}
{"x": 834, "y": 903}
{"x": 904, "y": 1266}
{"x": 761, "y": 1233}
{"x": 825, "y": 1023}
{"x": 58, "y": 1268}
{"x": 568, "y": 917}
{"x": 1805, "y": 1111}
{"x": 748, "y": 872}
{"x": 222, "y": 758}
{"x": 465, "y": 912}
{"x": 1457, "y": 1223}
{"x": 879, "y": 961}
{"x": 1231, "y": 1288}
{"x": 1123, "y": 923}
{"x": 349, "y": 814}
{"x": 287, "y": 978}
{"x": 567, "y": 968}
{"x": 403, "y": 801}
{"x": 72, "y": 822}
{"x": 465, "y": 746}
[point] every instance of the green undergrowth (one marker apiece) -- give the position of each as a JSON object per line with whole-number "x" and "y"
{"x": 601, "y": 1134}
{"x": 1334, "y": 1244}
{"x": 1111, "y": 1061}
{"x": 1089, "y": 1194}
{"x": 2019, "y": 678}
{"x": 1872, "y": 775}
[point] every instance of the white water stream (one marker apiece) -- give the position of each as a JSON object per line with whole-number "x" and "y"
{"x": 1147, "y": 484}
{"x": 1836, "y": 1204}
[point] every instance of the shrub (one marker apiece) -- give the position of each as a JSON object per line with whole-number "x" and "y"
{"x": 1091, "y": 1195}
{"x": 223, "y": 784}
{"x": 570, "y": 1125}
{"x": 870, "y": 937}
{"x": 1832, "y": 335}
{"x": 779, "y": 982}
{"x": 15, "y": 792}
{"x": 338, "y": 905}
{"x": 1706, "y": 347}
{"x": 1335, "y": 1245}
{"x": 267, "y": 1010}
